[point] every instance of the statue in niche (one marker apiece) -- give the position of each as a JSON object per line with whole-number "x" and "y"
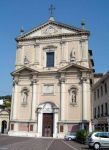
{"x": 26, "y": 61}
{"x": 24, "y": 97}
{"x": 73, "y": 96}
{"x": 72, "y": 55}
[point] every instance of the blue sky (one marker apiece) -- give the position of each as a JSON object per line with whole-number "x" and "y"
{"x": 31, "y": 13}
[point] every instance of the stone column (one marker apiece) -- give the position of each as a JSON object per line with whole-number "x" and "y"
{"x": 62, "y": 98}
{"x": 55, "y": 123}
{"x": 86, "y": 116}
{"x": 82, "y": 102}
{"x": 40, "y": 117}
{"x": 34, "y": 99}
{"x": 36, "y": 54}
{"x": 15, "y": 98}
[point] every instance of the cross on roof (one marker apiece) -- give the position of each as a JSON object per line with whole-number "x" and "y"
{"x": 51, "y": 9}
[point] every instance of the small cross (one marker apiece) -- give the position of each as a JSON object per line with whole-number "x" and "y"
{"x": 51, "y": 10}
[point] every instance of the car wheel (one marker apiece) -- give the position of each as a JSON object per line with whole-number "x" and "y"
{"x": 96, "y": 146}
{"x": 69, "y": 139}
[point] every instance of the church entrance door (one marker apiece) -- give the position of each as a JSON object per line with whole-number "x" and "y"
{"x": 47, "y": 130}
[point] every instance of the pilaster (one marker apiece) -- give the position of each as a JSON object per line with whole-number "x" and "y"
{"x": 62, "y": 97}
{"x": 36, "y": 53}
{"x": 86, "y": 106}
{"x": 55, "y": 130}
{"x": 40, "y": 118}
{"x": 34, "y": 97}
{"x": 16, "y": 80}
{"x": 62, "y": 43}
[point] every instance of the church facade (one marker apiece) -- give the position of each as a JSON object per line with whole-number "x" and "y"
{"x": 51, "y": 92}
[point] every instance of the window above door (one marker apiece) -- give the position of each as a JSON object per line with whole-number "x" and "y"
{"x": 49, "y": 59}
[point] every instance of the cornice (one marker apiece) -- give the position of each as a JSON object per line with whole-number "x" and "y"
{"x": 52, "y": 36}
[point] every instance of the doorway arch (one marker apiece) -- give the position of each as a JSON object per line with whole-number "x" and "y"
{"x": 4, "y": 126}
{"x": 47, "y": 119}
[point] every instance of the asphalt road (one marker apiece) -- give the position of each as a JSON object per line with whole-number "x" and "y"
{"x": 23, "y": 143}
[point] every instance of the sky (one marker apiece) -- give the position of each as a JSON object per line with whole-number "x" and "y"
{"x": 31, "y": 13}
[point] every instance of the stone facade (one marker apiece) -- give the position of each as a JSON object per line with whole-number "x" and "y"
{"x": 51, "y": 83}
{"x": 101, "y": 102}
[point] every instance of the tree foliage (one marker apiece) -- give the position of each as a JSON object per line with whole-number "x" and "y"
{"x": 6, "y": 101}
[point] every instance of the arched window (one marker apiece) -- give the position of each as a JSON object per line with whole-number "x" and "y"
{"x": 24, "y": 96}
{"x": 73, "y": 95}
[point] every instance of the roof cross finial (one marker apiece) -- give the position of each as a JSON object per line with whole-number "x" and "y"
{"x": 51, "y": 9}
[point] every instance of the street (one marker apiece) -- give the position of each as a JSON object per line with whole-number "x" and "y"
{"x": 26, "y": 143}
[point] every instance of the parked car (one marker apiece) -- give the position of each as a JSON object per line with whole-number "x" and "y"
{"x": 98, "y": 140}
{"x": 70, "y": 136}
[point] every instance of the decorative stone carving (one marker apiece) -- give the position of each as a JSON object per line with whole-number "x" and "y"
{"x": 50, "y": 30}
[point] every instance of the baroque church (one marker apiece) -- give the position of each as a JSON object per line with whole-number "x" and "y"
{"x": 51, "y": 92}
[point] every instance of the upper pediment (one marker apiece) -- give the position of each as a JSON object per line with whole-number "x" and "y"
{"x": 52, "y": 28}
{"x": 24, "y": 71}
{"x": 72, "y": 68}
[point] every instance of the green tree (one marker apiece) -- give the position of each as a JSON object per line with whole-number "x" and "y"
{"x": 6, "y": 101}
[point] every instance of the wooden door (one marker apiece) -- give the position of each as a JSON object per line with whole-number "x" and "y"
{"x": 47, "y": 130}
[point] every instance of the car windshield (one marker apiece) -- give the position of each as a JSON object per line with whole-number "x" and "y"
{"x": 71, "y": 133}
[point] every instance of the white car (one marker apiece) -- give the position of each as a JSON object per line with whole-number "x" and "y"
{"x": 70, "y": 136}
{"x": 98, "y": 140}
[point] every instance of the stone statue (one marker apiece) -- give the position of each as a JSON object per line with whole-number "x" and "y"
{"x": 72, "y": 55}
{"x": 73, "y": 96}
{"x": 24, "y": 97}
{"x": 26, "y": 61}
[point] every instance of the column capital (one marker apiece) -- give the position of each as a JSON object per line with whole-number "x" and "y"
{"x": 39, "y": 110}
{"x": 83, "y": 79}
{"x": 56, "y": 110}
{"x": 36, "y": 45}
{"x": 62, "y": 42}
{"x": 34, "y": 81}
{"x": 15, "y": 80}
{"x": 19, "y": 46}
{"x": 62, "y": 80}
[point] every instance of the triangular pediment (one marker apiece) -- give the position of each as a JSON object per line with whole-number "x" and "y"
{"x": 72, "y": 68}
{"x": 24, "y": 71}
{"x": 51, "y": 28}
